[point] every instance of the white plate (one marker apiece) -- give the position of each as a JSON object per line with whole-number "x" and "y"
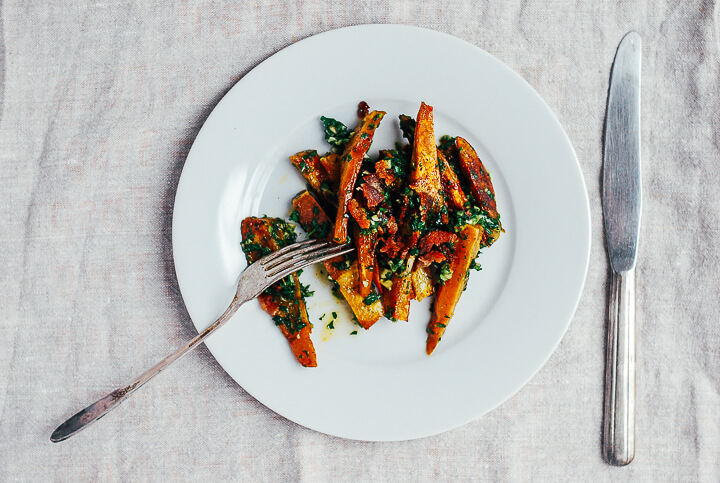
{"x": 379, "y": 385}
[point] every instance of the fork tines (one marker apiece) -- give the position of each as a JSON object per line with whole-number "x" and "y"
{"x": 299, "y": 255}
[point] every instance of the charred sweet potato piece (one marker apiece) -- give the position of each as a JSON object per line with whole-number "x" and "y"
{"x": 309, "y": 165}
{"x": 448, "y": 294}
{"x": 454, "y": 195}
{"x": 351, "y": 162}
{"x": 331, "y": 163}
{"x": 477, "y": 176}
{"x": 283, "y": 300}
{"x": 311, "y": 217}
{"x": 364, "y": 240}
{"x": 425, "y": 178}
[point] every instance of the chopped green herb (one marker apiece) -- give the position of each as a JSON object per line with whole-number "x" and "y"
{"x": 344, "y": 265}
{"x": 336, "y": 133}
{"x": 310, "y": 154}
{"x": 445, "y": 273}
{"x": 371, "y": 299}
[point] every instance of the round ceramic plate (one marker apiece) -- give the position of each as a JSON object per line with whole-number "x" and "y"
{"x": 379, "y": 384}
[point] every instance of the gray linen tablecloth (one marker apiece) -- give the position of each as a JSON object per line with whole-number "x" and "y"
{"x": 100, "y": 104}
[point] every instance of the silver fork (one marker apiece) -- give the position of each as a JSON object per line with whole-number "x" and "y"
{"x": 256, "y": 278}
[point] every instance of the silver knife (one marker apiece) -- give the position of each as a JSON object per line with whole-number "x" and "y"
{"x": 621, "y": 210}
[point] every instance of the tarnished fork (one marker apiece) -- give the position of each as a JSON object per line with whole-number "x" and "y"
{"x": 256, "y": 278}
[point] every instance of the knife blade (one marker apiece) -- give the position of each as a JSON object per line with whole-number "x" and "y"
{"x": 622, "y": 204}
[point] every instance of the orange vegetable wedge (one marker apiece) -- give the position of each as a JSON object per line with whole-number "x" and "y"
{"x": 425, "y": 178}
{"x": 451, "y": 184}
{"x": 397, "y": 299}
{"x": 365, "y": 244}
{"x": 448, "y": 294}
{"x": 477, "y": 176}
{"x": 287, "y": 309}
{"x": 309, "y": 165}
{"x": 331, "y": 163}
{"x": 351, "y": 162}
{"x": 312, "y": 218}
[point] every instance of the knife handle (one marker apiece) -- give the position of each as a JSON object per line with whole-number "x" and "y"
{"x": 619, "y": 425}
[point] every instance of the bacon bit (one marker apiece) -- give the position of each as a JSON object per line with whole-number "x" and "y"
{"x": 391, "y": 247}
{"x": 436, "y": 237}
{"x": 391, "y": 227}
{"x": 384, "y": 172}
{"x": 411, "y": 243}
{"x": 448, "y": 252}
{"x": 373, "y": 191}
{"x": 404, "y": 206}
{"x": 433, "y": 257}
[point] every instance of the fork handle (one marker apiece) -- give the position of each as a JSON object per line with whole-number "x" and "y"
{"x": 106, "y": 404}
{"x": 619, "y": 426}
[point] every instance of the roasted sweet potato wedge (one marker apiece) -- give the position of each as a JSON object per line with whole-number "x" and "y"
{"x": 448, "y": 294}
{"x": 425, "y": 178}
{"x": 396, "y": 298}
{"x": 477, "y": 176}
{"x": 331, "y": 163}
{"x": 351, "y": 162}
{"x": 454, "y": 194}
{"x": 284, "y": 300}
{"x": 311, "y": 217}
{"x": 365, "y": 244}
{"x": 309, "y": 165}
